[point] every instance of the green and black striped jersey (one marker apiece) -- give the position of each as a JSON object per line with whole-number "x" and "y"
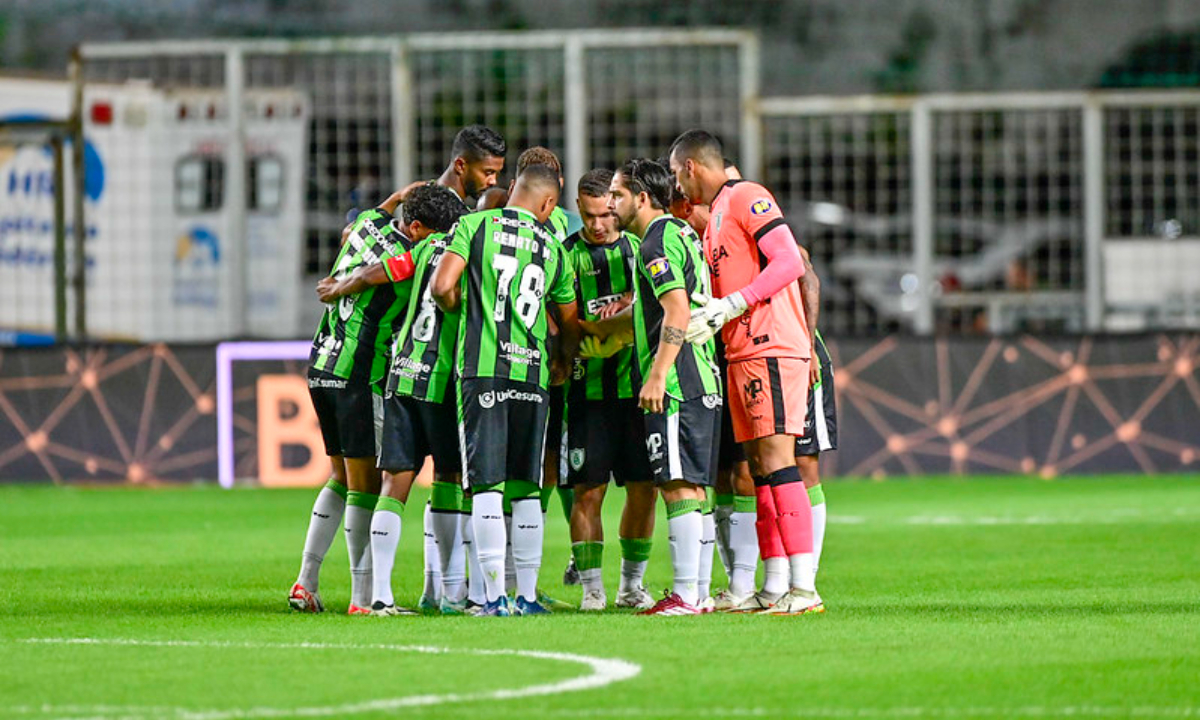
{"x": 423, "y": 350}
{"x": 603, "y": 273}
{"x": 558, "y": 222}
{"x": 514, "y": 265}
{"x": 352, "y": 339}
{"x": 670, "y": 259}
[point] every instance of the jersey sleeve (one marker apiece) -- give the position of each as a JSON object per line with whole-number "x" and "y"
{"x": 460, "y": 238}
{"x": 662, "y": 261}
{"x": 562, "y": 290}
{"x": 754, "y": 208}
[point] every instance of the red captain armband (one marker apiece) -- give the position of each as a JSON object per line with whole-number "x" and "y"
{"x": 400, "y": 267}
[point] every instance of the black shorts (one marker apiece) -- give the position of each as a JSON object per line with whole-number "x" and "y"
{"x": 346, "y": 411}
{"x": 684, "y": 441}
{"x": 603, "y": 439}
{"x": 414, "y": 429}
{"x": 731, "y": 450}
{"x": 502, "y": 431}
{"x": 820, "y": 422}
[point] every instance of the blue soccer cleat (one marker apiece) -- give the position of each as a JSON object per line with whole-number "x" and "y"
{"x": 530, "y": 607}
{"x": 496, "y": 608}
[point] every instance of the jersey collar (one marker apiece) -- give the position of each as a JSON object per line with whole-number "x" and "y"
{"x": 728, "y": 184}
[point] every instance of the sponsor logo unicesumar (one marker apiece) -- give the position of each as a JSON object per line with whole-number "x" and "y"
{"x": 491, "y": 397}
{"x": 335, "y": 383}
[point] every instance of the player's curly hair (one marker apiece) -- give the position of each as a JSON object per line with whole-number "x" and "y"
{"x": 475, "y": 142}
{"x": 538, "y": 155}
{"x": 437, "y": 208}
{"x": 642, "y": 175}
{"x": 595, "y": 182}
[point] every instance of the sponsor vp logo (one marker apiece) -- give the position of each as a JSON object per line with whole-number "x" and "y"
{"x": 752, "y": 389}
{"x": 654, "y": 443}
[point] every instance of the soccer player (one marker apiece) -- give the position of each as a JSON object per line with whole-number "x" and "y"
{"x": 680, "y": 387}
{"x": 820, "y": 422}
{"x": 477, "y": 159}
{"x": 346, "y": 367}
{"x": 757, "y": 307}
{"x": 731, "y": 521}
{"x": 419, "y": 416}
{"x": 502, "y": 267}
{"x": 603, "y": 418}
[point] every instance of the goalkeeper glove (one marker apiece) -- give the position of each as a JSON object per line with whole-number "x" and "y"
{"x": 708, "y": 319}
{"x": 593, "y": 347}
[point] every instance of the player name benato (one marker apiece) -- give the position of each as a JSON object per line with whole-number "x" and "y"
{"x": 518, "y": 242}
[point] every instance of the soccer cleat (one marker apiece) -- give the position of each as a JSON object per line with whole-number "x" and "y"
{"x": 473, "y": 608}
{"x": 757, "y": 602}
{"x": 549, "y": 602}
{"x": 726, "y": 601}
{"x": 427, "y": 603}
{"x": 706, "y": 605}
{"x": 303, "y": 600}
{"x": 638, "y": 599}
{"x": 356, "y": 610}
{"x": 796, "y": 602}
{"x": 496, "y": 608}
{"x": 671, "y": 604}
{"x": 453, "y": 607}
{"x": 594, "y": 600}
{"x": 571, "y": 574}
{"x": 379, "y": 609}
{"x": 529, "y": 607}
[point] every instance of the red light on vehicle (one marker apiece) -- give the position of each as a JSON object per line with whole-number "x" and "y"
{"x": 212, "y": 111}
{"x": 183, "y": 111}
{"x": 270, "y": 111}
{"x": 102, "y": 113}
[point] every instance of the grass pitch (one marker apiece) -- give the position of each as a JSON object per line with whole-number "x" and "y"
{"x": 987, "y": 597}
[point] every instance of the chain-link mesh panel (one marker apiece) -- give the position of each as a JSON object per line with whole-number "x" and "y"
{"x": 350, "y": 143}
{"x": 640, "y": 99}
{"x": 1152, "y": 171}
{"x": 845, "y": 183}
{"x": 518, "y": 93}
{"x": 1008, "y": 213}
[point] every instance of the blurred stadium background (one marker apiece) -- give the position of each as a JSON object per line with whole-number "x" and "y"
{"x": 1002, "y": 199}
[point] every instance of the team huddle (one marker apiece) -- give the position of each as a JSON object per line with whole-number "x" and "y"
{"x": 669, "y": 345}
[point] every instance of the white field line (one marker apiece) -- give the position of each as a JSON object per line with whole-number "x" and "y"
{"x": 604, "y": 672}
{"x": 1033, "y": 711}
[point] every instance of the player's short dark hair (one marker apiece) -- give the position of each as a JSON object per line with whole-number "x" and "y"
{"x": 701, "y": 146}
{"x": 436, "y": 207}
{"x": 642, "y": 175}
{"x": 538, "y": 155}
{"x": 727, "y": 163}
{"x": 540, "y": 176}
{"x": 475, "y": 142}
{"x": 595, "y": 182}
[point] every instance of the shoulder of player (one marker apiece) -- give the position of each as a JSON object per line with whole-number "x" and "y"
{"x": 753, "y": 198}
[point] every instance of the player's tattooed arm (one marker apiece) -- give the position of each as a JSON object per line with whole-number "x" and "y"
{"x": 676, "y": 312}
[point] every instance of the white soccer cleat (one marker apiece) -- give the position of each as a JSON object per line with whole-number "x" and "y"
{"x": 379, "y": 609}
{"x": 706, "y": 605}
{"x": 727, "y": 600}
{"x": 797, "y": 602}
{"x": 594, "y": 601}
{"x": 638, "y": 599}
{"x": 303, "y": 600}
{"x": 757, "y": 602}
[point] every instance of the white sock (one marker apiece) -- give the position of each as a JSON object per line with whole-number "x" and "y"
{"x": 708, "y": 538}
{"x": 358, "y": 545}
{"x": 527, "y": 534}
{"x": 510, "y": 570}
{"x": 684, "y": 533}
{"x": 592, "y": 579}
{"x": 818, "y": 514}
{"x": 776, "y": 581}
{"x": 802, "y": 571}
{"x": 475, "y": 587}
{"x": 433, "y": 563}
{"x": 743, "y": 545}
{"x": 721, "y": 515}
{"x": 632, "y": 572}
{"x": 487, "y": 517}
{"x": 385, "y": 536}
{"x": 323, "y": 525}
{"x": 447, "y": 531}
